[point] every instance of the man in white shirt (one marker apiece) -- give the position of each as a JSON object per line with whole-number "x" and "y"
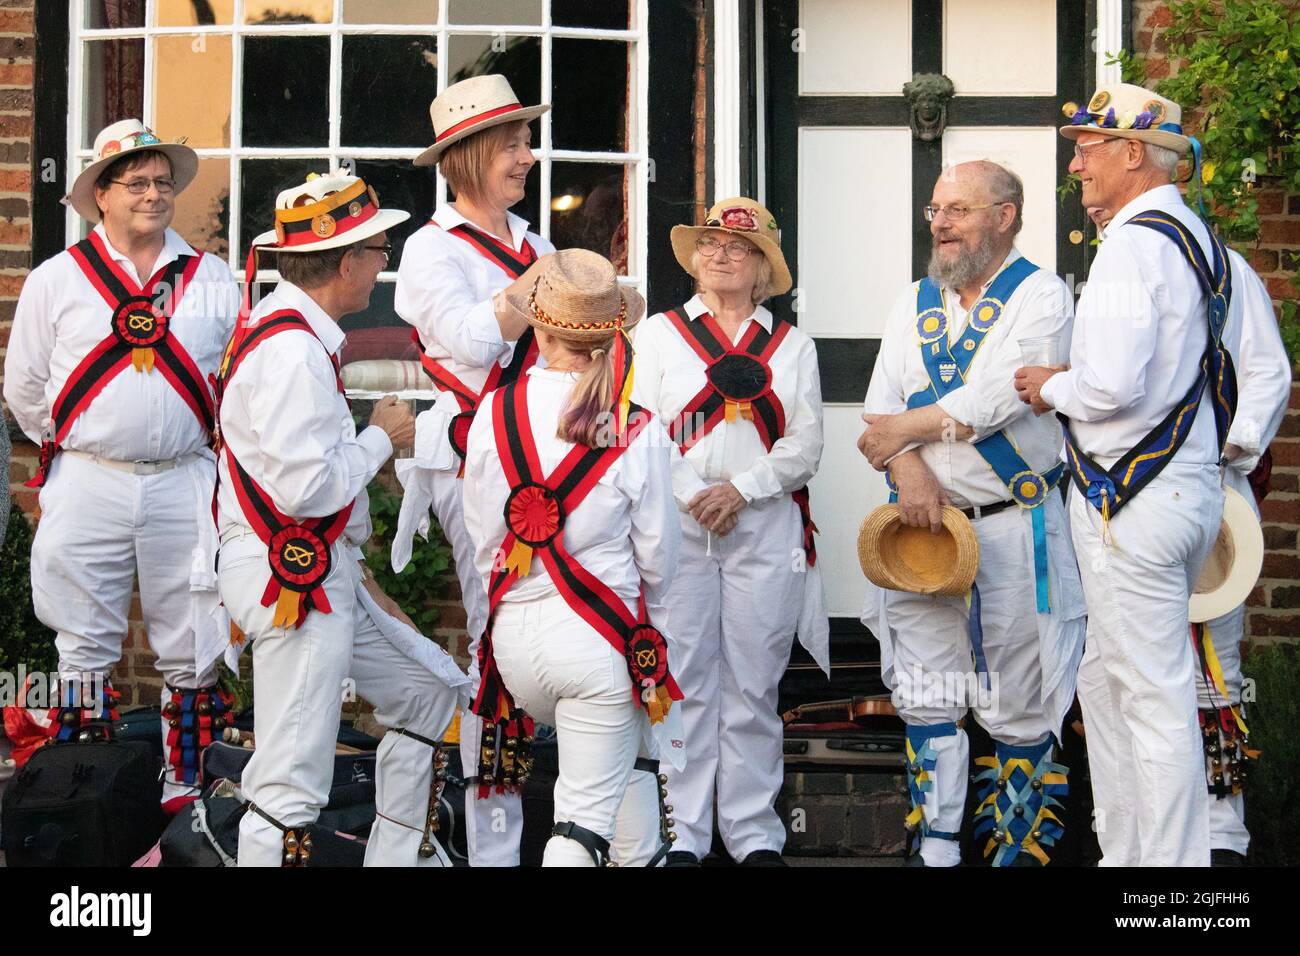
{"x": 1148, "y": 499}
{"x": 107, "y": 369}
{"x": 945, "y": 419}
{"x": 292, "y": 495}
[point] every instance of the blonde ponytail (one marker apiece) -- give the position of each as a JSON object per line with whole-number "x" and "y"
{"x": 584, "y": 420}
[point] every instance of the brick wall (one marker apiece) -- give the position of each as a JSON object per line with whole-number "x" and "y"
{"x": 1274, "y": 607}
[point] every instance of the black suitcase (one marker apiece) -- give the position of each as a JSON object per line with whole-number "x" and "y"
{"x": 83, "y": 804}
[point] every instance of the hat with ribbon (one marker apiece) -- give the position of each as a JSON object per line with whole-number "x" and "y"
{"x": 471, "y": 106}
{"x": 577, "y": 298}
{"x": 740, "y": 217}
{"x": 900, "y": 557}
{"x": 122, "y": 139}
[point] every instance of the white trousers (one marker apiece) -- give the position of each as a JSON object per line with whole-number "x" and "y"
{"x": 733, "y": 608}
{"x": 1137, "y": 682}
{"x": 494, "y": 825}
{"x": 298, "y": 682}
{"x": 565, "y": 674}
{"x": 101, "y": 527}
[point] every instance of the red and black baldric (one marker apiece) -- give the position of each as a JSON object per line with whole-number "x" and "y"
{"x": 525, "y": 353}
{"x": 297, "y": 551}
{"x": 140, "y": 337}
{"x": 535, "y": 514}
{"x": 739, "y": 385}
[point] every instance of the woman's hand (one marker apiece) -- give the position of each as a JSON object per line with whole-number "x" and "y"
{"x": 716, "y": 507}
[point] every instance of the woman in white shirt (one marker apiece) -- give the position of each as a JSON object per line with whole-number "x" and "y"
{"x": 739, "y": 393}
{"x": 568, "y": 499}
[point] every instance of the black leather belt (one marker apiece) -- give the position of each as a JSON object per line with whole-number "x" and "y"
{"x": 983, "y": 511}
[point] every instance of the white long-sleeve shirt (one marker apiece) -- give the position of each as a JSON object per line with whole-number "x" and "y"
{"x": 1138, "y": 339}
{"x": 445, "y": 288}
{"x": 668, "y": 373}
{"x": 286, "y": 422}
{"x": 626, "y": 531}
{"x": 987, "y": 401}
{"x": 61, "y": 318}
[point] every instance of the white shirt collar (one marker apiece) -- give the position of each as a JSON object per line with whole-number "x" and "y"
{"x": 552, "y": 374}
{"x": 326, "y": 329}
{"x": 696, "y": 308}
{"x": 448, "y": 217}
{"x": 1164, "y": 197}
{"x": 173, "y": 248}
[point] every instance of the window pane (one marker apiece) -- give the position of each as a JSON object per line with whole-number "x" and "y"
{"x": 601, "y": 14}
{"x": 285, "y": 84}
{"x": 114, "y": 14}
{"x": 362, "y": 344}
{"x": 495, "y": 11}
{"x": 589, "y": 209}
{"x": 590, "y": 80}
{"x": 114, "y": 84}
{"x": 399, "y": 72}
{"x": 192, "y": 89}
{"x": 203, "y": 209}
{"x": 194, "y": 13}
{"x": 400, "y": 186}
{"x": 260, "y": 181}
{"x": 390, "y": 11}
{"x": 519, "y": 59}
{"x": 288, "y": 11}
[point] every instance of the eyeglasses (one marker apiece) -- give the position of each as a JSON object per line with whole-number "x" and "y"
{"x": 138, "y": 187}
{"x": 736, "y": 251}
{"x": 386, "y": 249}
{"x": 1080, "y": 152}
{"x": 955, "y": 213}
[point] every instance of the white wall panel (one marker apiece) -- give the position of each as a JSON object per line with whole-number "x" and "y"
{"x": 854, "y": 46}
{"x": 1003, "y": 47}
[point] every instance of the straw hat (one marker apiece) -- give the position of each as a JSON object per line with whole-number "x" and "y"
{"x": 471, "y": 106}
{"x": 902, "y": 558}
{"x": 1233, "y": 567}
{"x": 1129, "y": 112}
{"x": 122, "y": 139}
{"x": 577, "y": 297}
{"x": 740, "y": 217}
{"x": 326, "y": 212}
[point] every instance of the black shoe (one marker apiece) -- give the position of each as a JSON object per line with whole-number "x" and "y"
{"x": 681, "y": 858}
{"x": 1220, "y": 857}
{"x": 763, "y": 858}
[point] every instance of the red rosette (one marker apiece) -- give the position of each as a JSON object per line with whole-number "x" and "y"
{"x": 299, "y": 557}
{"x": 138, "y": 324}
{"x": 739, "y": 217}
{"x": 739, "y": 377}
{"x": 647, "y": 655}
{"x": 533, "y": 515}
{"x": 458, "y": 432}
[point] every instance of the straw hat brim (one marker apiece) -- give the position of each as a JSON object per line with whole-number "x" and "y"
{"x": 683, "y": 239}
{"x": 1233, "y": 566}
{"x": 898, "y": 557}
{"x": 383, "y": 220}
{"x": 631, "y": 299}
{"x": 1157, "y": 137}
{"x": 431, "y": 155}
{"x": 185, "y": 166}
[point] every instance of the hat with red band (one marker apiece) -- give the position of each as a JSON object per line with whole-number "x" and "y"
{"x": 471, "y": 106}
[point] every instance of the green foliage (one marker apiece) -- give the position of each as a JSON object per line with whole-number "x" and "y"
{"x": 23, "y": 639}
{"x": 1273, "y": 790}
{"x": 422, "y": 581}
{"x": 1242, "y": 72}
{"x": 1289, "y": 325}
{"x": 1132, "y": 69}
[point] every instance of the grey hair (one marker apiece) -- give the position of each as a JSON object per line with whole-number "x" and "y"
{"x": 1006, "y": 186}
{"x": 1164, "y": 159}
{"x": 308, "y": 270}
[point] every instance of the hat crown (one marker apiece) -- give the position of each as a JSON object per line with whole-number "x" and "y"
{"x": 470, "y": 98}
{"x": 1130, "y": 100}
{"x": 314, "y": 190}
{"x": 742, "y": 214}
{"x": 124, "y": 134}
{"x": 578, "y": 286}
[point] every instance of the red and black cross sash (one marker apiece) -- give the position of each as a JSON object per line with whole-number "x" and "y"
{"x": 298, "y": 551}
{"x": 140, "y": 337}
{"x": 739, "y": 385}
{"x": 525, "y": 353}
{"x": 535, "y": 514}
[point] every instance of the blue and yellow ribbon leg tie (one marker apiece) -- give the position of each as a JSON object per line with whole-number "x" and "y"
{"x": 921, "y": 760}
{"x": 1019, "y": 788}
{"x": 1030, "y": 491}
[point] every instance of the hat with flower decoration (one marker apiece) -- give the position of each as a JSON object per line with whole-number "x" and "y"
{"x": 741, "y": 217}
{"x": 1129, "y": 112}
{"x": 122, "y": 139}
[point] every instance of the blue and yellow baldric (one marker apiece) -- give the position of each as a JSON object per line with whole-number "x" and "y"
{"x": 1109, "y": 489}
{"x": 947, "y": 365}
